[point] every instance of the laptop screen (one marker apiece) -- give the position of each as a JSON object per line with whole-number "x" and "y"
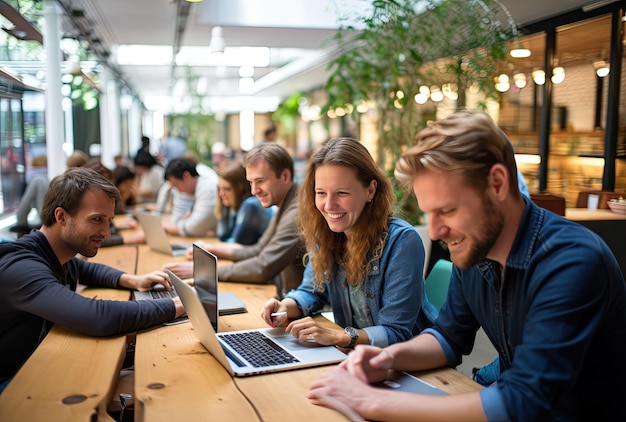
{"x": 205, "y": 281}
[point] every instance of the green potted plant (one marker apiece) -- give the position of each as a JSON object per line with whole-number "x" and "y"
{"x": 400, "y": 46}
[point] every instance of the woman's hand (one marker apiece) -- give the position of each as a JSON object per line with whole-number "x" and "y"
{"x": 307, "y": 329}
{"x": 273, "y": 306}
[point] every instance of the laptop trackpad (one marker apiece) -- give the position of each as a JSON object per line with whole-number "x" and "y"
{"x": 293, "y": 344}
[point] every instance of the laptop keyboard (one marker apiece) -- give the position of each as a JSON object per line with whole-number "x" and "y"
{"x": 258, "y": 349}
{"x": 162, "y": 294}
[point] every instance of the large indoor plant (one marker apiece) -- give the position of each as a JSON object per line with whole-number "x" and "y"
{"x": 397, "y": 46}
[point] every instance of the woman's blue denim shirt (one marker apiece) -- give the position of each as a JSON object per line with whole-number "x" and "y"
{"x": 394, "y": 290}
{"x": 557, "y": 316}
{"x": 247, "y": 224}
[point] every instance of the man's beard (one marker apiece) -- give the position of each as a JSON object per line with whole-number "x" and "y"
{"x": 490, "y": 227}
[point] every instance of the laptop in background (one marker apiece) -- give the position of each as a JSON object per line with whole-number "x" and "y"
{"x": 234, "y": 350}
{"x": 205, "y": 285}
{"x": 156, "y": 236}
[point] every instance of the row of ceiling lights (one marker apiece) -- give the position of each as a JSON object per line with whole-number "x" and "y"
{"x": 503, "y": 84}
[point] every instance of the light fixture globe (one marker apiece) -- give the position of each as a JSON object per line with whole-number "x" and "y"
{"x": 520, "y": 52}
{"x": 558, "y": 75}
{"x": 539, "y": 76}
{"x": 217, "y": 40}
{"x": 519, "y": 79}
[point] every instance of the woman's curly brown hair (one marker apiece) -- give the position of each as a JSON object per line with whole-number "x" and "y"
{"x": 367, "y": 236}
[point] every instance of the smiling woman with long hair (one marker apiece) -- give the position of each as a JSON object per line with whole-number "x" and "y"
{"x": 361, "y": 260}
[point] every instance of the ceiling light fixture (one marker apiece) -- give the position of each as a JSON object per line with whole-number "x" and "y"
{"x": 520, "y": 52}
{"x": 601, "y": 67}
{"x": 216, "y": 45}
{"x": 194, "y": 1}
{"x": 502, "y": 82}
{"x": 435, "y": 94}
{"x": 539, "y": 76}
{"x": 519, "y": 79}
{"x": 558, "y": 75}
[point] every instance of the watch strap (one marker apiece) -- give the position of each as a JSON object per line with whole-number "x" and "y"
{"x": 354, "y": 337}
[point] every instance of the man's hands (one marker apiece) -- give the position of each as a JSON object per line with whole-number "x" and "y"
{"x": 145, "y": 282}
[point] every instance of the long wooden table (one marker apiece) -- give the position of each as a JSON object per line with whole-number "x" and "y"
{"x": 175, "y": 377}
{"x": 71, "y": 377}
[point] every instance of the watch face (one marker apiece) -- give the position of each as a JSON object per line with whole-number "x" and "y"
{"x": 354, "y": 336}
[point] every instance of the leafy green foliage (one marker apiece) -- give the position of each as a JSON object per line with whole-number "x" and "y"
{"x": 400, "y": 45}
{"x": 396, "y": 46}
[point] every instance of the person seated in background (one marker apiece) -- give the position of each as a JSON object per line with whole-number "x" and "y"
{"x": 277, "y": 256}
{"x": 195, "y": 214}
{"x": 120, "y": 161}
{"x": 76, "y": 159}
{"x": 40, "y": 273}
{"x": 126, "y": 181}
{"x": 32, "y": 198}
{"x": 548, "y": 292}
{"x": 179, "y": 203}
{"x": 365, "y": 264}
{"x": 150, "y": 174}
{"x": 270, "y": 134}
{"x": 35, "y": 191}
{"x": 172, "y": 147}
{"x": 240, "y": 216}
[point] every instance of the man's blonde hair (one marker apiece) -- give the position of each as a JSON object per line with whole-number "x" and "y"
{"x": 466, "y": 142}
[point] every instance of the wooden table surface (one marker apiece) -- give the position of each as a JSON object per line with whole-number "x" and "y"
{"x": 69, "y": 377}
{"x": 73, "y": 377}
{"x": 175, "y": 377}
{"x": 584, "y": 214}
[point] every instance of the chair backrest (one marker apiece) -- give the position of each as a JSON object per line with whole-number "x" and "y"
{"x": 437, "y": 282}
{"x": 554, "y": 203}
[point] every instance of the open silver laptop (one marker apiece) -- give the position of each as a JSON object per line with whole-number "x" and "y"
{"x": 156, "y": 236}
{"x": 205, "y": 285}
{"x": 234, "y": 350}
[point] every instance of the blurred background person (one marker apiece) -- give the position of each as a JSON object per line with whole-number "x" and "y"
{"x": 150, "y": 174}
{"x": 270, "y": 134}
{"x": 126, "y": 181}
{"x": 32, "y": 198}
{"x": 194, "y": 199}
{"x": 173, "y": 147}
{"x": 240, "y": 216}
{"x": 77, "y": 159}
{"x": 35, "y": 191}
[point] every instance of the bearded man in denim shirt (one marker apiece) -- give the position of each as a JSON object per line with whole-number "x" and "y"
{"x": 548, "y": 292}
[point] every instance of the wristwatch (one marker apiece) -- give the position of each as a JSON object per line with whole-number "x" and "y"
{"x": 354, "y": 336}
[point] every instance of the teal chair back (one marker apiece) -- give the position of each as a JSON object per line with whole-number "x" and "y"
{"x": 437, "y": 282}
